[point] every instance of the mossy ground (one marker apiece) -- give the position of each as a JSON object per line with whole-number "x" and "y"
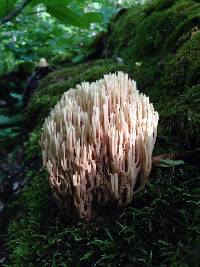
{"x": 160, "y": 228}
{"x": 159, "y": 44}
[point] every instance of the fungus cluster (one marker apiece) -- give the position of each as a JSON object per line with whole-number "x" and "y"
{"x": 97, "y": 144}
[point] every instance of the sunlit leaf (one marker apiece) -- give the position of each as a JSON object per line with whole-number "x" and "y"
{"x": 170, "y": 162}
{"x": 67, "y": 16}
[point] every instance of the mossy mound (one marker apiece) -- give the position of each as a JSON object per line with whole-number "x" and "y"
{"x": 159, "y": 44}
{"x": 180, "y": 119}
{"x": 139, "y": 33}
{"x": 184, "y": 68}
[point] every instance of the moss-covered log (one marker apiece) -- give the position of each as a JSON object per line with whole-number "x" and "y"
{"x": 159, "y": 45}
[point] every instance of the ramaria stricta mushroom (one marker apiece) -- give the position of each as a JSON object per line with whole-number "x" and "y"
{"x": 97, "y": 144}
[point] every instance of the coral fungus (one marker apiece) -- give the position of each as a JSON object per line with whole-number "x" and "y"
{"x": 97, "y": 144}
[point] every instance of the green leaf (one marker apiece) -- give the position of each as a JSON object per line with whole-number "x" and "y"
{"x": 6, "y": 120}
{"x": 87, "y": 255}
{"x": 5, "y": 7}
{"x": 93, "y": 17}
{"x": 48, "y": 2}
{"x": 56, "y": 2}
{"x": 78, "y": 58}
{"x": 17, "y": 96}
{"x": 9, "y": 132}
{"x": 67, "y": 16}
{"x": 170, "y": 162}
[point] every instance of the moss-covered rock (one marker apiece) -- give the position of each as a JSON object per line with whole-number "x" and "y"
{"x": 160, "y": 44}
{"x": 184, "y": 68}
{"x": 138, "y": 34}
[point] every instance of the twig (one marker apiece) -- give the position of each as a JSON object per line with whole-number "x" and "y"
{"x": 14, "y": 12}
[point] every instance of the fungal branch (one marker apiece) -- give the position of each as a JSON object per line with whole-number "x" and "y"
{"x": 97, "y": 142}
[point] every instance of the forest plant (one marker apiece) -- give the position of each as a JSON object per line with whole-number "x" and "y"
{"x": 97, "y": 144}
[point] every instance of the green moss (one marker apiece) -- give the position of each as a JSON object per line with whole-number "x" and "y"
{"x": 158, "y": 5}
{"x": 185, "y": 29}
{"x": 153, "y": 31}
{"x": 38, "y": 109}
{"x": 34, "y": 207}
{"x": 188, "y": 109}
{"x": 65, "y": 58}
{"x": 154, "y": 231}
{"x": 123, "y": 30}
{"x": 32, "y": 148}
{"x": 184, "y": 68}
{"x": 136, "y": 36}
{"x": 185, "y": 113}
{"x": 134, "y": 33}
